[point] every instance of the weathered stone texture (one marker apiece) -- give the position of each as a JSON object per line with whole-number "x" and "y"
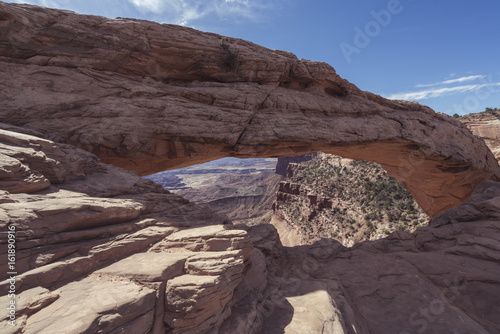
{"x": 100, "y": 250}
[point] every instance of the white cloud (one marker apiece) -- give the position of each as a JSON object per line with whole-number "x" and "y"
{"x": 453, "y": 81}
{"x": 51, "y": 3}
{"x": 27, "y": 2}
{"x": 182, "y": 12}
{"x": 158, "y": 6}
{"x": 432, "y": 91}
{"x": 45, "y": 3}
{"x": 438, "y": 92}
{"x": 185, "y": 11}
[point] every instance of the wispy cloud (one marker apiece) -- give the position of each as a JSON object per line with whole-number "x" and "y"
{"x": 185, "y": 11}
{"x": 438, "y": 92}
{"x": 45, "y": 3}
{"x": 454, "y": 81}
{"x": 156, "y": 6}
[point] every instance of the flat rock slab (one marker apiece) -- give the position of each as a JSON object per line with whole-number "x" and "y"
{"x": 148, "y": 267}
{"x": 213, "y": 238}
{"x": 93, "y": 305}
{"x": 38, "y": 218}
{"x": 28, "y": 302}
{"x": 304, "y": 307}
{"x": 214, "y": 263}
{"x": 205, "y": 232}
{"x": 78, "y": 266}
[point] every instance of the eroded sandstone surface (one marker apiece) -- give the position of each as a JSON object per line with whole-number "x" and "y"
{"x": 485, "y": 125}
{"x": 149, "y": 97}
{"x": 98, "y": 249}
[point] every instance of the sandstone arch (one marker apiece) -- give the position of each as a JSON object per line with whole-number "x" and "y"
{"x": 149, "y": 97}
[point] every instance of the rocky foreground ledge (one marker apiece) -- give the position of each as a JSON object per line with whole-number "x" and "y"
{"x": 100, "y": 250}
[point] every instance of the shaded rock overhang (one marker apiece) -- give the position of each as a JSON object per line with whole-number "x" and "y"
{"x": 149, "y": 97}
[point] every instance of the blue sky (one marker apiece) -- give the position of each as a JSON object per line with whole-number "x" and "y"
{"x": 444, "y": 54}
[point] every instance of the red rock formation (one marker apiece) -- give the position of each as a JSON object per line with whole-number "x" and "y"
{"x": 487, "y": 127}
{"x": 149, "y": 97}
{"x": 99, "y": 249}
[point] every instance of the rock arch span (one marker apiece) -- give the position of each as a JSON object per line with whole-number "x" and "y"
{"x": 150, "y": 97}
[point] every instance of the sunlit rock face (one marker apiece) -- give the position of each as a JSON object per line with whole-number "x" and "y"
{"x": 98, "y": 249}
{"x": 485, "y": 125}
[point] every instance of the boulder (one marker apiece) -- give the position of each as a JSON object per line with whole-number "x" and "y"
{"x": 93, "y": 305}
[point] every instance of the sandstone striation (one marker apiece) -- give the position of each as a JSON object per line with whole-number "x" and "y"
{"x": 485, "y": 125}
{"x": 149, "y": 97}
